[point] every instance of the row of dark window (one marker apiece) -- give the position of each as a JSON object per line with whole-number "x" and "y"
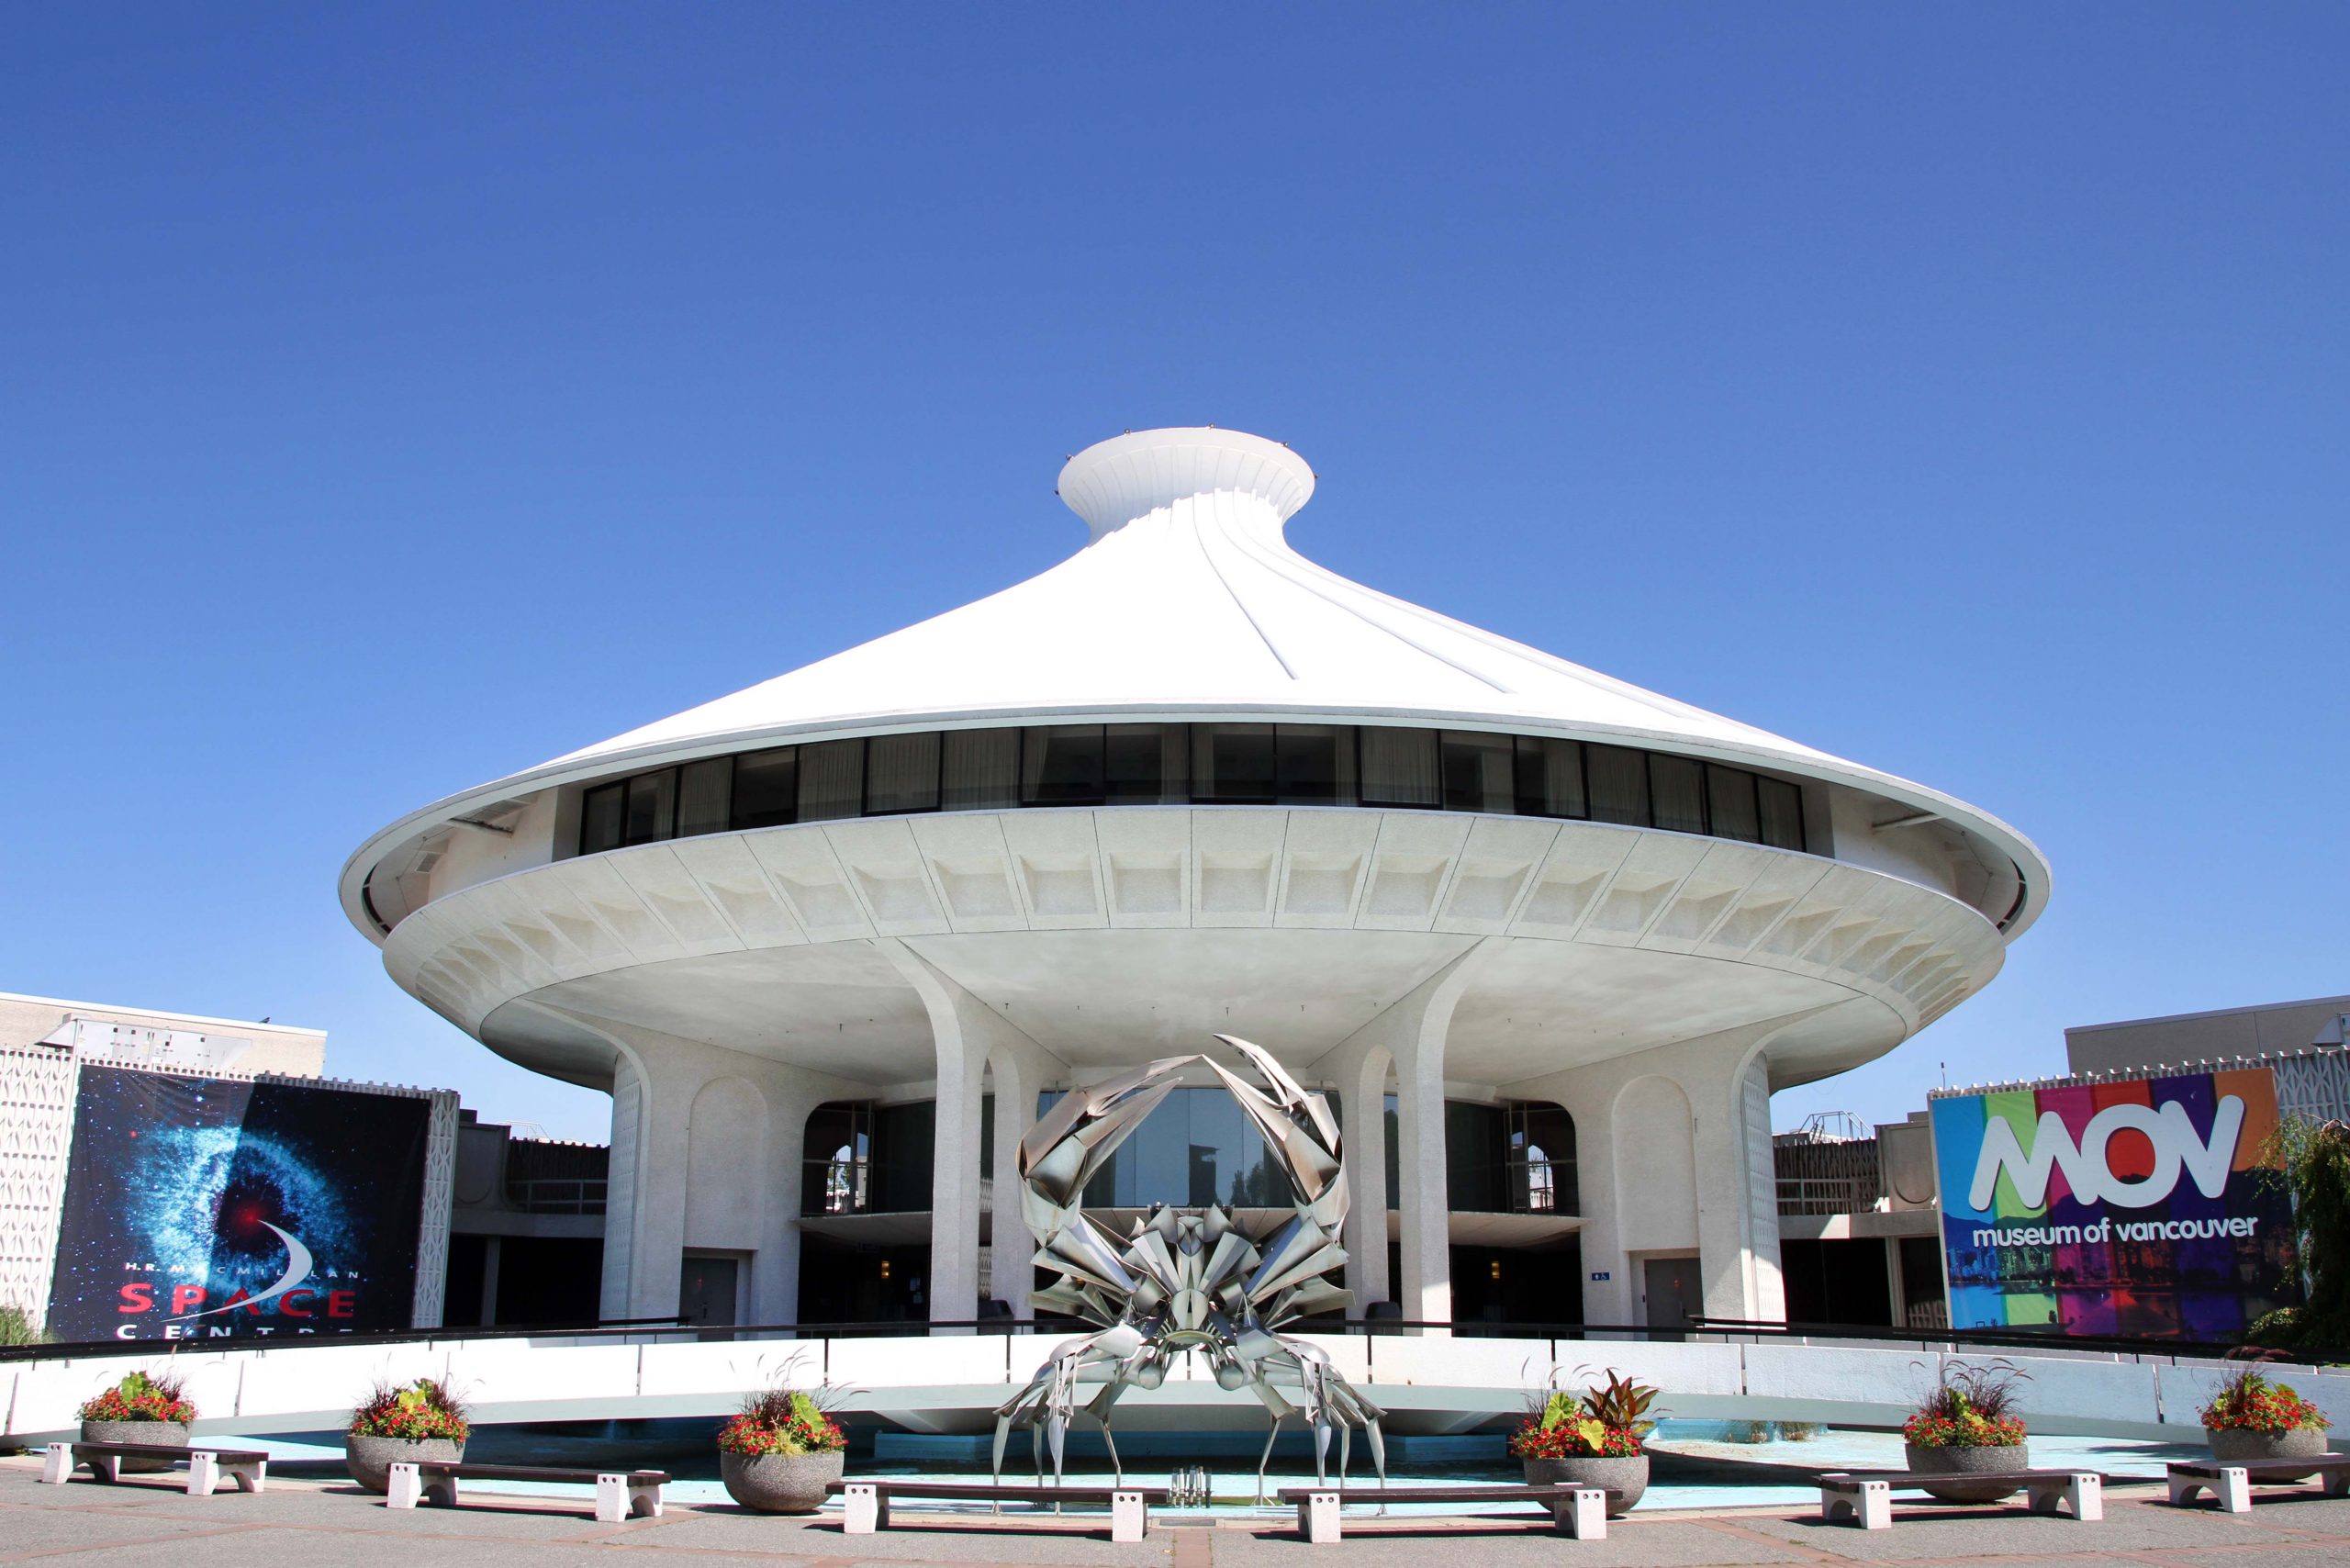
{"x": 1224, "y": 764}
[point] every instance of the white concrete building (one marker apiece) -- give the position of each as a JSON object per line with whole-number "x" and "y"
{"x": 1550, "y": 939}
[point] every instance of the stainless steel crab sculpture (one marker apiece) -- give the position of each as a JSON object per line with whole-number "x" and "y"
{"x": 1187, "y": 1281}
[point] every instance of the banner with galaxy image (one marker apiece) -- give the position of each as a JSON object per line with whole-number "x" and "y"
{"x": 213, "y": 1208}
{"x": 2140, "y": 1207}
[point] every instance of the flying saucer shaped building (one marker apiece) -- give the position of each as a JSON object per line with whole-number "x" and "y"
{"x": 1549, "y": 939}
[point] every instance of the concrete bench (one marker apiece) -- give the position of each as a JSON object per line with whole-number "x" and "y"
{"x": 865, "y": 1504}
{"x": 2230, "y": 1485}
{"x": 249, "y": 1468}
{"x": 1866, "y": 1498}
{"x": 1580, "y": 1511}
{"x": 619, "y": 1493}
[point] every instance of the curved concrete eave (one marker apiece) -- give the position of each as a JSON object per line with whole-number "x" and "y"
{"x": 1815, "y": 766}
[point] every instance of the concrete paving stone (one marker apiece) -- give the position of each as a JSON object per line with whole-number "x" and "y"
{"x": 1923, "y": 1530}
{"x": 1629, "y": 1544}
{"x": 723, "y": 1529}
{"x": 35, "y": 1529}
{"x": 307, "y": 1549}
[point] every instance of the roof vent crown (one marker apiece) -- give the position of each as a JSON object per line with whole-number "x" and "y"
{"x": 1115, "y": 482}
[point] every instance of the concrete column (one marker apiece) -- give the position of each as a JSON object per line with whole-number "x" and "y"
{"x": 1012, "y": 1268}
{"x": 649, "y": 1194}
{"x": 1425, "y": 1289}
{"x": 1413, "y": 1031}
{"x": 622, "y": 1177}
{"x": 775, "y": 1273}
{"x": 1673, "y": 1146}
{"x": 1364, "y": 1101}
{"x": 954, "y": 1181}
{"x": 965, "y": 1034}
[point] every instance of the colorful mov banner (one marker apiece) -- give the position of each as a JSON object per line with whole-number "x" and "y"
{"x": 2132, "y": 1208}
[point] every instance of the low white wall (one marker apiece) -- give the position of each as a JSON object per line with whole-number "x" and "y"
{"x": 950, "y": 1381}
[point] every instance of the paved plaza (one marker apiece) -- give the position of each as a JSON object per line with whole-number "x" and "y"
{"x": 151, "y": 1521}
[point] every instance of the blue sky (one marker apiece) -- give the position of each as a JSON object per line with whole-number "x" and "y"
{"x": 392, "y": 397}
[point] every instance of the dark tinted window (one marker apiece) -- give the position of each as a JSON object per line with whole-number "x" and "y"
{"x": 1479, "y": 772}
{"x": 1219, "y": 764}
{"x": 980, "y": 770}
{"x": 1399, "y": 767}
{"x": 1061, "y": 766}
{"x": 1233, "y": 763}
{"x": 651, "y": 801}
{"x": 1144, "y": 765}
{"x": 766, "y": 788}
{"x": 1619, "y": 784}
{"x": 600, "y": 813}
{"x": 1782, "y": 813}
{"x": 702, "y": 790}
{"x": 1678, "y": 793}
{"x": 902, "y": 773}
{"x": 1314, "y": 765}
{"x": 1731, "y": 808}
{"x": 831, "y": 780}
{"x": 1549, "y": 779}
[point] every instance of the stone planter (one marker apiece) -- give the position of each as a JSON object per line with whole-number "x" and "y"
{"x": 2244, "y": 1443}
{"x": 370, "y": 1460}
{"x": 1962, "y": 1462}
{"x": 171, "y": 1432}
{"x": 1627, "y": 1473}
{"x": 780, "y": 1483}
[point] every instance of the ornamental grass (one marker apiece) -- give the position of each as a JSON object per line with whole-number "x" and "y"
{"x": 1971, "y": 1405}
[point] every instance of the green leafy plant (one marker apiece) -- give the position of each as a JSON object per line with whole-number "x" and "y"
{"x": 1606, "y": 1421}
{"x": 422, "y": 1409}
{"x": 140, "y": 1396}
{"x": 1971, "y": 1405}
{"x": 2312, "y": 1160}
{"x": 780, "y": 1420}
{"x": 2249, "y": 1401}
{"x": 17, "y": 1328}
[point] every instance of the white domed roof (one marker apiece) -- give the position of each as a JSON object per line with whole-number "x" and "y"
{"x": 1189, "y": 599}
{"x": 1188, "y": 603}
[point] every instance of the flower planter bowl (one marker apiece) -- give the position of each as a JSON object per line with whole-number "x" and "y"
{"x": 171, "y": 1432}
{"x": 1965, "y": 1460}
{"x": 370, "y": 1460}
{"x": 1627, "y": 1473}
{"x": 778, "y": 1483}
{"x": 2250, "y": 1444}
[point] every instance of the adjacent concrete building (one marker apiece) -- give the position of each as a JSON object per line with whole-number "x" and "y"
{"x": 2218, "y": 1035}
{"x": 1550, "y": 939}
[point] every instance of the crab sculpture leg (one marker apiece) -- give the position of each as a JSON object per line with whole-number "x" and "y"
{"x": 1187, "y": 1279}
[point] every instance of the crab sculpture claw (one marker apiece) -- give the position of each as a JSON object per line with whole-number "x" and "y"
{"x": 1187, "y": 1279}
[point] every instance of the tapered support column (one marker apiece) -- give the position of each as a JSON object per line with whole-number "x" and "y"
{"x": 1425, "y": 1289}
{"x": 1012, "y": 1269}
{"x": 967, "y": 1036}
{"x": 1365, "y": 1153}
{"x": 1412, "y": 1034}
{"x": 954, "y": 1184}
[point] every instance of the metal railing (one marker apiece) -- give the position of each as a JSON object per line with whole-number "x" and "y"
{"x": 1827, "y": 1194}
{"x": 1699, "y": 1329}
